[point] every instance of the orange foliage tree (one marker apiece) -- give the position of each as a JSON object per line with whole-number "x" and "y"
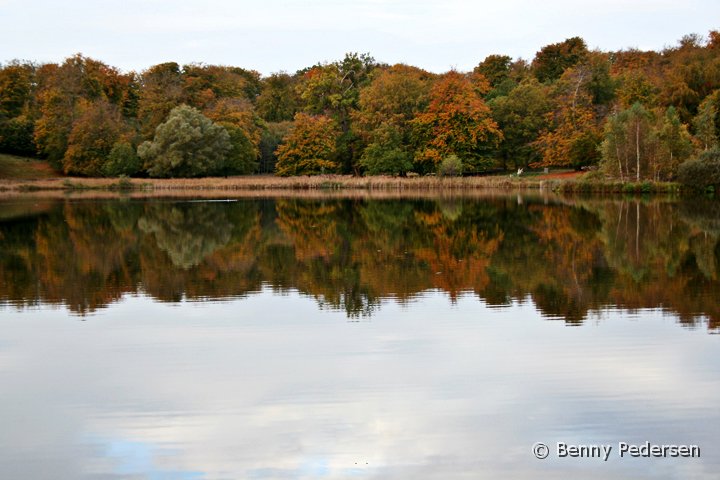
{"x": 456, "y": 122}
{"x": 574, "y": 137}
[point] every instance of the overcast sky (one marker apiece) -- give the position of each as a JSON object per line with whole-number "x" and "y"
{"x": 274, "y": 35}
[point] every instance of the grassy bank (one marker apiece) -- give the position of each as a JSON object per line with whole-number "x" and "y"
{"x": 22, "y": 168}
{"x": 267, "y": 182}
{"x": 18, "y": 175}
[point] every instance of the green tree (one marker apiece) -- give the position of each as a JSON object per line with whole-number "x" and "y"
{"x": 703, "y": 172}
{"x": 601, "y": 86}
{"x": 238, "y": 117}
{"x": 272, "y": 136}
{"x": 552, "y": 60}
{"x": 17, "y": 92}
{"x": 706, "y": 122}
{"x": 388, "y": 153}
{"x": 17, "y": 136}
{"x": 279, "y": 100}
{"x": 630, "y": 143}
{"x": 675, "y": 145}
{"x": 122, "y": 160}
{"x": 310, "y": 148}
{"x": 522, "y": 117}
{"x": 187, "y": 144}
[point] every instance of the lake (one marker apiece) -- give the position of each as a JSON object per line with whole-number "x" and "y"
{"x": 374, "y": 338}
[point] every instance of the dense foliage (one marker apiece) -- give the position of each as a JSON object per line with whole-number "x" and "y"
{"x": 188, "y": 144}
{"x": 702, "y": 173}
{"x": 638, "y": 115}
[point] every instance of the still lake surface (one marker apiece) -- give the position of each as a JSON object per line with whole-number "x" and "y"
{"x": 433, "y": 338}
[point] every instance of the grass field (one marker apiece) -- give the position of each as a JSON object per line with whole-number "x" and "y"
{"x": 21, "y": 168}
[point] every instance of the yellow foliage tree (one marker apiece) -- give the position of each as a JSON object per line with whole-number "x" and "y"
{"x": 309, "y": 149}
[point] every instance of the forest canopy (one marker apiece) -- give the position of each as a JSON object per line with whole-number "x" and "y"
{"x": 634, "y": 115}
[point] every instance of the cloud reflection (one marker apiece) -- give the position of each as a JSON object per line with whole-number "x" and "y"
{"x": 272, "y": 387}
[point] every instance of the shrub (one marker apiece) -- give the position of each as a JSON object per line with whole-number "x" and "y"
{"x": 16, "y": 136}
{"x": 377, "y": 159}
{"x": 451, "y": 166}
{"x": 702, "y": 173}
{"x": 122, "y": 161}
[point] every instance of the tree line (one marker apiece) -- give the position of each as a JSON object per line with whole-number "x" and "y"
{"x": 636, "y": 115}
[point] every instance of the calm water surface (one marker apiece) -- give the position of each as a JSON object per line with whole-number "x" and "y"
{"x": 356, "y": 338}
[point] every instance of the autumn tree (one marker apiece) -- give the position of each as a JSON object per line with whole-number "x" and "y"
{"x": 386, "y": 107}
{"x": 310, "y": 148}
{"x": 457, "y": 121}
{"x": 636, "y": 88}
{"x": 552, "y": 60}
{"x": 690, "y": 72}
{"x": 16, "y": 88}
{"x": 161, "y": 91}
{"x": 238, "y": 117}
{"x": 334, "y": 90}
{"x": 187, "y": 144}
{"x": 573, "y": 137}
{"x": 98, "y": 127}
{"x": 202, "y": 84}
{"x": 279, "y": 100}
{"x": 17, "y": 91}
{"x": 495, "y": 68}
{"x": 62, "y": 89}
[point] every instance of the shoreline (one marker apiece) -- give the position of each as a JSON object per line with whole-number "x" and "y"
{"x": 269, "y": 182}
{"x": 266, "y": 184}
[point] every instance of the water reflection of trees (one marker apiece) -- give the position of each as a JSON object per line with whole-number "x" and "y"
{"x": 187, "y": 232}
{"x": 570, "y": 257}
